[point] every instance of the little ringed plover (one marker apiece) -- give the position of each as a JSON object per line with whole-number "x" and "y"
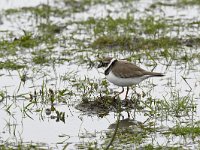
{"x": 123, "y": 73}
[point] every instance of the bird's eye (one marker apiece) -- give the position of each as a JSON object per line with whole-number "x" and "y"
{"x": 105, "y": 64}
{"x": 100, "y": 64}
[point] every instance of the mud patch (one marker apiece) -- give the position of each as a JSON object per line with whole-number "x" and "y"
{"x": 102, "y": 106}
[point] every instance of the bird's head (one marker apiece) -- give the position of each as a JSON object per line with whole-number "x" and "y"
{"x": 104, "y": 62}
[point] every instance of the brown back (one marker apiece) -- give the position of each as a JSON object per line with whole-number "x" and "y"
{"x": 126, "y": 69}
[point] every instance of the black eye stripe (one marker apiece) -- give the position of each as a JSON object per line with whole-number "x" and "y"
{"x": 107, "y": 71}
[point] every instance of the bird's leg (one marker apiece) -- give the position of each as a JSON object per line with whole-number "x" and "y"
{"x": 135, "y": 103}
{"x": 126, "y": 92}
{"x": 126, "y": 101}
{"x": 119, "y": 93}
{"x": 128, "y": 113}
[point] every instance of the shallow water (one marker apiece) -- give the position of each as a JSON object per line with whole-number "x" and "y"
{"x": 26, "y": 121}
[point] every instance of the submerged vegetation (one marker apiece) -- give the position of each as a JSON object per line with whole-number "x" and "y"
{"x": 49, "y": 77}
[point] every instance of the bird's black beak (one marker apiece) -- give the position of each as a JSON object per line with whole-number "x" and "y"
{"x": 100, "y": 65}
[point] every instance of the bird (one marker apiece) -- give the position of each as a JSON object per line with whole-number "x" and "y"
{"x": 124, "y": 73}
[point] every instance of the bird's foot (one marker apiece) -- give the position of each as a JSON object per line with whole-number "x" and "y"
{"x": 125, "y": 102}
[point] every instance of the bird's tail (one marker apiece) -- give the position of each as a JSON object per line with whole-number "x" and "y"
{"x": 155, "y": 74}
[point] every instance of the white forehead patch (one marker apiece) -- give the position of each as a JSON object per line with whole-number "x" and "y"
{"x": 112, "y": 60}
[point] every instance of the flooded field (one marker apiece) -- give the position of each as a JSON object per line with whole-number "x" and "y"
{"x": 53, "y": 95}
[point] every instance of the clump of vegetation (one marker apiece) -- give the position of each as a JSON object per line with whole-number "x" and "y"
{"x": 152, "y": 147}
{"x": 33, "y": 146}
{"x": 154, "y": 26}
{"x": 2, "y": 96}
{"x": 42, "y": 10}
{"x": 27, "y": 40}
{"x": 40, "y": 59}
{"x": 10, "y": 47}
{"x": 176, "y": 106}
{"x": 178, "y": 130}
{"x": 100, "y": 106}
{"x": 110, "y": 25}
{"x": 133, "y": 43}
{"x": 42, "y": 56}
{"x": 188, "y": 2}
{"x": 122, "y": 42}
{"x": 49, "y": 28}
{"x": 80, "y": 6}
{"x": 11, "y": 65}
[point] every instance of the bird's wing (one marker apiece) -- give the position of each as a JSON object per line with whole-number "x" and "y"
{"x": 125, "y": 69}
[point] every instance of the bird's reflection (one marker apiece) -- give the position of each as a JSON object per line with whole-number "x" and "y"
{"x": 125, "y": 123}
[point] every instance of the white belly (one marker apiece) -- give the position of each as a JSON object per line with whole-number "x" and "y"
{"x": 125, "y": 81}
